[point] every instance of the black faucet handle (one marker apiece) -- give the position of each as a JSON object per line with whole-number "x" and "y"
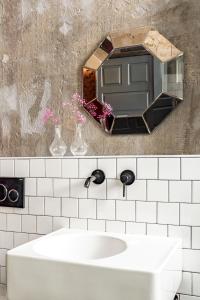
{"x": 124, "y": 190}
{"x": 100, "y": 176}
{"x": 97, "y": 177}
{"x": 127, "y": 177}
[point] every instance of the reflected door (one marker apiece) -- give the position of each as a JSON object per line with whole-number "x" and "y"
{"x": 126, "y": 83}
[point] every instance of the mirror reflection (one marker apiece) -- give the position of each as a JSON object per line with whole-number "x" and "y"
{"x": 140, "y": 75}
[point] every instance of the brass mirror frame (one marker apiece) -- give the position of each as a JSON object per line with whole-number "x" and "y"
{"x": 162, "y": 50}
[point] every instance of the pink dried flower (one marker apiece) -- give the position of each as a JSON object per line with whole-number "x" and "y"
{"x": 80, "y": 117}
{"x": 49, "y": 115}
{"x": 74, "y": 106}
{"x": 107, "y": 110}
{"x": 56, "y": 120}
{"x": 92, "y": 108}
{"x": 77, "y": 101}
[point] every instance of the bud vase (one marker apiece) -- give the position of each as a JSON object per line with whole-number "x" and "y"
{"x": 58, "y": 146}
{"x": 79, "y": 146}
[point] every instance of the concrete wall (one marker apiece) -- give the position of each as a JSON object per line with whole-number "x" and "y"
{"x": 44, "y": 43}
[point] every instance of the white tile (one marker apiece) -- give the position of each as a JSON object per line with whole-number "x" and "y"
{"x": 137, "y": 190}
{"x": 191, "y": 260}
{"x": 45, "y": 187}
{"x": 53, "y": 167}
{"x": 78, "y": 223}
{"x": 6, "y": 240}
{"x": 114, "y": 189}
{"x": 196, "y": 237}
{"x": 60, "y": 222}
{"x": 157, "y": 230}
{"x": 108, "y": 165}
{"x": 7, "y": 168}
{"x": 70, "y": 168}
{"x": 29, "y": 224}
{"x": 169, "y": 168}
{"x": 190, "y": 168}
{"x": 125, "y": 210}
{"x": 30, "y": 187}
{"x": 87, "y": 208}
{"x": 157, "y": 190}
{"x": 70, "y": 207}
{"x": 146, "y": 212}
{"x": 44, "y": 224}
{"x": 3, "y": 275}
{"x": 182, "y": 232}
{"x": 36, "y": 205}
{"x": 97, "y": 191}
{"x": 106, "y": 209}
{"x": 180, "y": 191}
{"x": 190, "y": 214}
{"x": 3, "y": 257}
{"x": 3, "y": 221}
{"x": 22, "y": 167}
{"x": 33, "y": 236}
{"x": 196, "y": 191}
{"x": 52, "y": 206}
{"x": 37, "y": 167}
{"x": 97, "y": 225}
{"x": 126, "y": 164}
{"x": 115, "y": 226}
{"x": 20, "y": 238}
{"x": 13, "y": 222}
{"x": 147, "y": 168}
{"x": 135, "y": 228}
{"x": 77, "y": 189}
{"x": 196, "y": 284}
{"x": 168, "y": 213}
{"x": 23, "y": 211}
{"x": 61, "y": 187}
{"x": 186, "y": 284}
{"x": 87, "y": 166}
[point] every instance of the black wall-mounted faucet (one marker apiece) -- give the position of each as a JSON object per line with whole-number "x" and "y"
{"x": 97, "y": 177}
{"x": 127, "y": 177}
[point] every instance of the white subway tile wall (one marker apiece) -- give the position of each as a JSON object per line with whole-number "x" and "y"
{"x": 7, "y": 168}
{"x": 164, "y": 200}
{"x": 37, "y": 168}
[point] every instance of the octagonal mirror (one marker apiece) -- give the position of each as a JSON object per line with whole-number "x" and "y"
{"x": 139, "y": 74}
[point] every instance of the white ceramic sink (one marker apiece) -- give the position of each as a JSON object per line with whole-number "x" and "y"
{"x": 80, "y": 246}
{"x": 83, "y": 265}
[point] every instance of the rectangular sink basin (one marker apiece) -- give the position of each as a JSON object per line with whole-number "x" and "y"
{"x": 86, "y": 265}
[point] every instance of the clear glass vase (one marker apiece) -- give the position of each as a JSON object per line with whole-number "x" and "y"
{"x": 58, "y": 146}
{"x": 79, "y": 146}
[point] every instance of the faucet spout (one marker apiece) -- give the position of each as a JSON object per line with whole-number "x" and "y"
{"x": 89, "y": 180}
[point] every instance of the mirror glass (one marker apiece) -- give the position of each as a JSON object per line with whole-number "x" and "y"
{"x": 140, "y": 75}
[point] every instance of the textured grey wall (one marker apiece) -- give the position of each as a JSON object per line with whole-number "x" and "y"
{"x": 44, "y": 43}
